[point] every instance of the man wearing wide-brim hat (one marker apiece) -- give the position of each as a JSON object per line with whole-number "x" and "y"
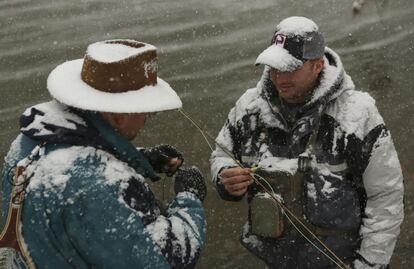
{"x": 87, "y": 203}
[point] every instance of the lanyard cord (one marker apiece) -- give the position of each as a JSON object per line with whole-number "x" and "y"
{"x": 11, "y": 235}
{"x": 21, "y": 179}
{"x": 286, "y": 211}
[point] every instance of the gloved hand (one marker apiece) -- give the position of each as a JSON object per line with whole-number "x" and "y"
{"x": 191, "y": 180}
{"x": 164, "y": 159}
{"x": 361, "y": 263}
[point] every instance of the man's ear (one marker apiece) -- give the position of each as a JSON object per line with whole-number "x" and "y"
{"x": 319, "y": 64}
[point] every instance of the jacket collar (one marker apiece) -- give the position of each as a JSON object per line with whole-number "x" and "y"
{"x": 56, "y": 123}
{"x": 121, "y": 147}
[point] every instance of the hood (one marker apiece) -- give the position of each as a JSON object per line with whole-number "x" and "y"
{"x": 56, "y": 123}
{"x": 333, "y": 82}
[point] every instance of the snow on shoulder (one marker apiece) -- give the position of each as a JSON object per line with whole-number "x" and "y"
{"x": 356, "y": 112}
{"x": 114, "y": 52}
{"x": 296, "y": 26}
{"x": 55, "y": 169}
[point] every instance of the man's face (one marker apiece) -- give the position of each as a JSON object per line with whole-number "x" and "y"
{"x": 297, "y": 86}
{"x": 127, "y": 124}
{"x": 131, "y": 124}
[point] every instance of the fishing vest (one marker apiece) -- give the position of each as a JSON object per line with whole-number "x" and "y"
{"x": 277, "y": 202}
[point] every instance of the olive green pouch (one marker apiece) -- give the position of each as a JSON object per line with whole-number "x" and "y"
{"x": 266, "y": 216}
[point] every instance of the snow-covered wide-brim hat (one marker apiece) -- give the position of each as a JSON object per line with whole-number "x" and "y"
{"x": 296, "y": 40}
{"x": 115, "y": 76}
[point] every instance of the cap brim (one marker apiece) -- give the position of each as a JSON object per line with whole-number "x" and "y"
{"x": 278, "y": 58}
{"x": 65, "y": 85}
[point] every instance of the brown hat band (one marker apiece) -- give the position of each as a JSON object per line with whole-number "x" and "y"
{"x": 128, "y": 74}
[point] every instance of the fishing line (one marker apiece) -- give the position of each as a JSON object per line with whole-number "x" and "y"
{"x": 314, "y": 245}
{"x": 205, "y": 134}
{"x": 197, "y": 126}
{"x": 262, "y": 178}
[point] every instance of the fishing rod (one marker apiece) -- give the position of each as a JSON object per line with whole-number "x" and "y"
{"x": 286, "y": 211}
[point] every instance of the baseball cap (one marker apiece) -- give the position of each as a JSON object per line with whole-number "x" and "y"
{"x": 296, "y": 40}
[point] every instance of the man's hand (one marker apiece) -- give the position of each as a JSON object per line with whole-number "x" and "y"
{"x": 236, "y": 180}
{"x": 191, "y": 180}
{"x": 164, "y": 159}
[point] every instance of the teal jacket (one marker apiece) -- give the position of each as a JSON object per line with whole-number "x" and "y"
{"x": 87, "y": 204}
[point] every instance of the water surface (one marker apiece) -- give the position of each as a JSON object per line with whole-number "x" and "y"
{"x": 207, "y": 51}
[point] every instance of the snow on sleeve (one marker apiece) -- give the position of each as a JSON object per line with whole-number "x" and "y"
{"x": 180, "y": 234}
{"x": 224, "y": 139}
{"x": 158, "y": 231}
{"x": 384, "y": 211}
{"x": 219, "y": 158}
{"x": 246, "y": 103}
{"x": 277, "y": 164}
{"x": 184, "y": 245}
{"x": 114, "y": 52}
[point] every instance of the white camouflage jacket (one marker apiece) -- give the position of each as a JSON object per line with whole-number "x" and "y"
{"x": 356, "y": 180}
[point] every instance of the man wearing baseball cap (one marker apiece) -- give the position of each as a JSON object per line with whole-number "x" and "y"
{"x": 306, "y": 136}
{"x": 86, "y": 202}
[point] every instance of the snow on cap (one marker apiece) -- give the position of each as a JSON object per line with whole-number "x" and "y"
{"x": 110, "y": 51}
{"x": 296, "y": 26}
{"x": 295, "y": 40}
{"x": 115, "y": 76}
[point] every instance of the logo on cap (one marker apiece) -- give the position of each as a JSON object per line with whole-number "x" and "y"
{"x": 280, "y": 40}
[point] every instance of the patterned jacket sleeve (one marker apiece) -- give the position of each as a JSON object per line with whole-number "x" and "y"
{"x": 220, "y": 159}
{"x": 180, "y": 233}
{"x": 384, "y": 211}
{"x": 112, "y": 233}
{"x": 375, "y": 159}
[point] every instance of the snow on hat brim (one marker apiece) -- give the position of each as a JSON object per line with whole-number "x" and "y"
{"x": 278, "y": 58}
{"x": 65, "y": 85}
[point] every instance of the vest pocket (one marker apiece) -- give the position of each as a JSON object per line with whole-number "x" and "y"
{"x": 335, "y": 207}
{"x": 266, "y": 216}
